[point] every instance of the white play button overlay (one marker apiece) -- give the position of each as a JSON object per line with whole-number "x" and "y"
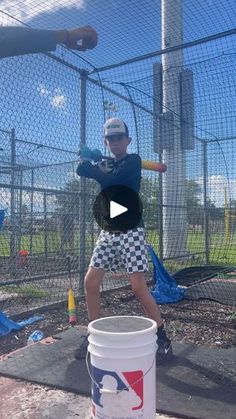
{"x": 116, "y": 209}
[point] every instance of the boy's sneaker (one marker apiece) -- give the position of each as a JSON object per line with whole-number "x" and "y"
{"x": 164, "y": 347}
{"x": 164, "y": 350}
{"x": 81, "y": 352}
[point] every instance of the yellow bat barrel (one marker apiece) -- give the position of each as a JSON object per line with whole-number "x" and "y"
{"x": 71, "y": 307}
{"x": 152, "y": 165}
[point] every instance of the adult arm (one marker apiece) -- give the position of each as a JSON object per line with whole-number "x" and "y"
{"x": 16, "y": 40}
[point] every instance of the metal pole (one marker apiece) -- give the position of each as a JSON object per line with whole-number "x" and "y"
{"x": 157, "y": 144}
{"x": 45, "y": 224}
{"x": 205, "y": 203}
{"x": 82, "y": 192}
{"x": 166, "y": 50}
{"x": 160, "y": 204}
{"x": 20, "y": 175}
{"x": 174, "y": 196}
{"x": 12, "y": 266}
{"x": 31, "y": 211}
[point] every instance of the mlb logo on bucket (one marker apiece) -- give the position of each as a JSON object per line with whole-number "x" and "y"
{"x": 117, "y": 393}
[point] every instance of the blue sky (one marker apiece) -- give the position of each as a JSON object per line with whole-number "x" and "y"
{"x": 41, "y": 98}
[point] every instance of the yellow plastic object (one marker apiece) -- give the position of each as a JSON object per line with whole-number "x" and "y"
{"x": 152, "y": 165}
{"x": 71, "y": 307}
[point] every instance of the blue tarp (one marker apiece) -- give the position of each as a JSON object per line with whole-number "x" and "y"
{"x": 7, "y": 325}
{"x": 166, "y": 289}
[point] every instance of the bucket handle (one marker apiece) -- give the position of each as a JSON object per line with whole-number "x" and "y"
{"x": 106, "y": 390}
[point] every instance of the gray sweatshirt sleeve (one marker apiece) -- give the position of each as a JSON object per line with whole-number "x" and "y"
{"x": 16, "y": 40}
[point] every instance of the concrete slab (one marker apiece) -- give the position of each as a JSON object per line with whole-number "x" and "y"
{"x": 21, "y": 399}
{"x": 197, "y": 383}
{"x": 24, "y": 400}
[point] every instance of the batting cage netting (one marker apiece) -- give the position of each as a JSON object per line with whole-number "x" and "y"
{"x": 177, "y": 97}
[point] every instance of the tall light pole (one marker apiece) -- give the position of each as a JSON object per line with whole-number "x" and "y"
{"x": 174, "y": 199}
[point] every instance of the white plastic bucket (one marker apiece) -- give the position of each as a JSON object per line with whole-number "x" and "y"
{"x": 122, "y": 367}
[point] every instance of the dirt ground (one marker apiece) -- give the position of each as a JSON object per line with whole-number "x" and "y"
{"x": 200, "y": 322}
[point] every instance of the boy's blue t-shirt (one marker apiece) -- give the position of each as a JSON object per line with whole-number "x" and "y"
{"x": 125, "y": 172}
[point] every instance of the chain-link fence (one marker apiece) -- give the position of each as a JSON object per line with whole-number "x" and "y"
{"x": 52, "y": 104}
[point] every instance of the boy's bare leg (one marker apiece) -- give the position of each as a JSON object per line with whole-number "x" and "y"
{"x": 139, "y": 287}
{"x": 92, "y": 283}
{"x": 141, "y": 291}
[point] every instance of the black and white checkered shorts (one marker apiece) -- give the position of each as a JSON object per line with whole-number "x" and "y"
{"x": 117, "y": 251}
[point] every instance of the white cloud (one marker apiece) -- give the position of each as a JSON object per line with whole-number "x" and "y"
{"x": 31, "y": 8}
{"x": 43, "y": 91}
{"x": 5, "y": 198}
{"x": 56, "y": 97}
{"x": 58, "y": 101}
{"x": 217, "y": 184}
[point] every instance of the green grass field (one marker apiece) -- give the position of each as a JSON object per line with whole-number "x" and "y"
{"x": 220, "y": 251}
{"x": 52, "y": 242}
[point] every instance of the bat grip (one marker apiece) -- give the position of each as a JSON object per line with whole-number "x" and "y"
{"x": 107, "y": 158}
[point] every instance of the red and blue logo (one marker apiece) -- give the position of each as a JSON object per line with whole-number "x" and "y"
{"x": 129, "y": 385}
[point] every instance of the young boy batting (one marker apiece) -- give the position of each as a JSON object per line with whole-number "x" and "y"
{"x": 120, "y": 248}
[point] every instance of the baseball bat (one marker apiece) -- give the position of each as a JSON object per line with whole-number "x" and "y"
{"x": 152, "y": 165}
{"x": 146, "y": 164}
{"x": 71, "y": 297}
{"x": 97, "y": 156}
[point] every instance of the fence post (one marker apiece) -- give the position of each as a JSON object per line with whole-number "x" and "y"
{"x": 12, "y": 267}
{"x": 205, "y": 203}
{"x": 82, "y": 191}
{"x": 160, "y": 214}
{"x": 19, "y": 215}
{"x": 45, "y": 224}
{"x": 31, "y": 211}
{"x": 158, "y": 145}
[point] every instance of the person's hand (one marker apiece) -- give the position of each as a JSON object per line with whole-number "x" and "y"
{"x": 84, "y": 167}
{"x": 81, "y": 39}
{"x": 86, "y": 164}
{"x": 106, "y": 166}
{"x": 85, "y": 153}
